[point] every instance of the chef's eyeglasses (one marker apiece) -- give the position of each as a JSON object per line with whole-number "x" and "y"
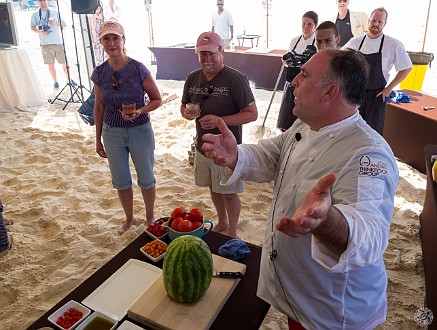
{"x": 209, "y": 90}
{"x": 115, "y": 81}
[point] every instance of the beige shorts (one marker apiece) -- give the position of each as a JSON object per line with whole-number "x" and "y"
{"x": 52, "y": 52}
{"x": 208, "y": 174}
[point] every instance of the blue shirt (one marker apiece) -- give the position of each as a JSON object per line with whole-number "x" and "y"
{"x": 54, "y": 37}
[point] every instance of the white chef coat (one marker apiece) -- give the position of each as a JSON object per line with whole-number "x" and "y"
{"x": 324, "y": 291}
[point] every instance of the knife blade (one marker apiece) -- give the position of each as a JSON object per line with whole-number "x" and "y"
{"x": 228, "y": 274}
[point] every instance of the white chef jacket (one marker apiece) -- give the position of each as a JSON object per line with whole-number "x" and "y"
{"x": 322, "y": 291}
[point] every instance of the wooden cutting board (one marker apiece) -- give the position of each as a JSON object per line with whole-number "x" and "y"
{"x": 158, "y": 311}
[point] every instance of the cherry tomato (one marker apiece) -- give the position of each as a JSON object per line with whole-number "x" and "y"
{"x": 196, "y": 214}
{"x": 185, "y": 225}
{"x": 196, "y": 224}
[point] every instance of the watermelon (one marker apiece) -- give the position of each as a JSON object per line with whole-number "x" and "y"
{"x": 187, "y": 269}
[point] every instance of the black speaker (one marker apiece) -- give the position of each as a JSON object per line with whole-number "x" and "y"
{"x": 84, "y": 6}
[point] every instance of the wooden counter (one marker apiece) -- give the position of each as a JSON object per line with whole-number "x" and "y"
{"x": 408, "y": 128}
{"x": 175, "y": 63}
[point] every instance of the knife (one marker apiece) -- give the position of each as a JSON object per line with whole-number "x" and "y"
{"x": 228, "y": 274}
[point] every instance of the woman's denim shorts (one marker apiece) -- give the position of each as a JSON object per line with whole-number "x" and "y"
{"x": 137, "y": 141}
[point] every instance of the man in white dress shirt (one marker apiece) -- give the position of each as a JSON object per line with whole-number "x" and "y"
{"x": 223, "y": 24}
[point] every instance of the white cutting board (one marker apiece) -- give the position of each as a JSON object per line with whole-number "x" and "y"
{"x": 114, "y": 296}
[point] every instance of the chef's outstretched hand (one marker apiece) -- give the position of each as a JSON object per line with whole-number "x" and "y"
{"x": 222, "y": 148}
{"x": 313, "y": 210}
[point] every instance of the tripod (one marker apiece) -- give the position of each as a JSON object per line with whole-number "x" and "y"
{"x": 75, "y": 89}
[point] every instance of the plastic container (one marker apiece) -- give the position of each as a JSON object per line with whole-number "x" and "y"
{"x": 415, "y": 78}
{"x": 232, "y": 45}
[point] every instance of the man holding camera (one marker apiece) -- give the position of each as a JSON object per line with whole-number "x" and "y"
{"x": 292, "y": 62}
{"x": 47, "y": 23}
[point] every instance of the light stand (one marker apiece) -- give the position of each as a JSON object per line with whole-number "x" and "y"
{"x": 74, "y": 88}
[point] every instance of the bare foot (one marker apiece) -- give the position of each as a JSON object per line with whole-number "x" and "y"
{"x": 220, "y": 227}
{"x": 125, "y": 225}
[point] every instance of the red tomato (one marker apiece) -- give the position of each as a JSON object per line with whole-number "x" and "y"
{"x": 178, "y": 212}
{"x": 196, "y": 224}
{"x": 187, "y": 216}
{"x": 175, "y": 223}
{"x": 196, "y": 215}
{"x": 185, "y": 225}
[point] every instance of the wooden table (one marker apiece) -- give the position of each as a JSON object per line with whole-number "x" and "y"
{"x": 243, "y": 310}
{"x": 175, "y": 63}
{"x": 428, "y": 235}
{"x": 408, "y": 128}
{"x": 250, "y": 37}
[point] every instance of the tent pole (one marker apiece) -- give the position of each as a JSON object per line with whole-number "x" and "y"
{"x": 267, "y": 23}
{"x": 426, "y": 26}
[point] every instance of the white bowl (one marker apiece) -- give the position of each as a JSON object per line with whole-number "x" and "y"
{"x": 160, "y": 257}
{"x": 71, "y": 304}
{"x": 95, "y": 317}
{"x": 156, "y": 237}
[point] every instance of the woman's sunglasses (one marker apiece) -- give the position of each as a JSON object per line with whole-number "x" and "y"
{"x": 115, "y": 81}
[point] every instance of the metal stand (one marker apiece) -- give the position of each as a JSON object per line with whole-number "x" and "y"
{"x": 75, "y": 89}
{"x": 151, "y": 37}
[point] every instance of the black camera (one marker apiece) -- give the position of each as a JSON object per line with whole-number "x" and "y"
{"x": 44, "y": 28}
{"x": 292, "y": 59}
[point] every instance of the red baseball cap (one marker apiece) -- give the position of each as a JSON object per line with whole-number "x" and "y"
{"x": 111, "y": 27}
{"x": 208, "y": 42}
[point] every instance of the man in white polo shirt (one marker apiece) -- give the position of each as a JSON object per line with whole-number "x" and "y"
{"x": 222, "y": 24}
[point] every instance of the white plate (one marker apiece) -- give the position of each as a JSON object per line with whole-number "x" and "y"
{"x": 117, "y": 294}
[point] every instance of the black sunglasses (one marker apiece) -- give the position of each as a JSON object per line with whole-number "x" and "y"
{"x": 115, "y": 81}
{"x": 210, "y": 90}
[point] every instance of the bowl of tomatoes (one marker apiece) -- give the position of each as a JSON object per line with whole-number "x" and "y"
{"x": 156, "y": 230}
{"x": 70, "y": 315}
{"x": 183, "y": 222}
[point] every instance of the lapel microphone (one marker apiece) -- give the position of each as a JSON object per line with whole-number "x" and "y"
{"x": 298, "y": 136}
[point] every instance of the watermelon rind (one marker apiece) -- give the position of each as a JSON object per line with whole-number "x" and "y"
{"x": 187, "y": 269}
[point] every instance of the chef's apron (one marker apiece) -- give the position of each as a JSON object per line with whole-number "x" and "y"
{"x": 372, "y": 108}
{"x": 285, "y": 116}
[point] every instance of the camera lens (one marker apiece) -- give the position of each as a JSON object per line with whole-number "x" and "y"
{"x": 287, "y": 56}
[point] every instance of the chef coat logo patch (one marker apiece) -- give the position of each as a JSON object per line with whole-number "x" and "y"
{"x": 369, "y": 167}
